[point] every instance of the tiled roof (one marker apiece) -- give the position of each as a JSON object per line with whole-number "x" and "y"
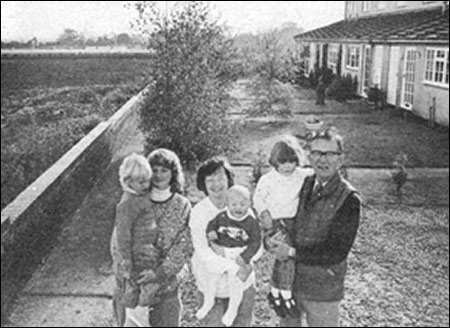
{"x": 421, "y": 26}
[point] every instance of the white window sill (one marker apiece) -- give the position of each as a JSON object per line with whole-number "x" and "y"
{"x": 352, "y": 68}
{"x": 436, "y": 85}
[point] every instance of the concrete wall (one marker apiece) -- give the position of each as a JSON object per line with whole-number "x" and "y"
{"x": 32, "y": 221}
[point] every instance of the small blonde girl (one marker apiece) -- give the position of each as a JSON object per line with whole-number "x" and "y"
{"x": 276, "y": 200}
{"x": 135, "y": 175}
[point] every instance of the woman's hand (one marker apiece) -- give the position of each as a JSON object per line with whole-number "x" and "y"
{"x": 217, "y": 249}
{"x": 147, "y": 276}
{"x": 244, "y": 271}
{"x": 266, "y": 220}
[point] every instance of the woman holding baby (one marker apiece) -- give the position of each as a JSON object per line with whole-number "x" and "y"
{"x": 214, "y": 177}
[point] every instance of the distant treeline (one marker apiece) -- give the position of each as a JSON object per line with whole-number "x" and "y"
{"x": 72, "y": 39}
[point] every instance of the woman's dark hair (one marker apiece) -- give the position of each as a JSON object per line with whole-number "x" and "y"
{"x": 209, "y": 168}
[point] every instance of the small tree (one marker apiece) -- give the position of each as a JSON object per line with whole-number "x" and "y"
{"x": 186, "y": 109}
{"x": 272, "y": 97}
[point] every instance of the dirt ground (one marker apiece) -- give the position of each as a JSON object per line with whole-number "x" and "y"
{"x": 398, "y": 269}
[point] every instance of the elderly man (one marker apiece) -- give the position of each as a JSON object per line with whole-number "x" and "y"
{"x": 325, "y": 229}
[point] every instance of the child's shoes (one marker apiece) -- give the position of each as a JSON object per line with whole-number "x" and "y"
{"x": 276, "y": 304}
{"x": 291, "y": 308}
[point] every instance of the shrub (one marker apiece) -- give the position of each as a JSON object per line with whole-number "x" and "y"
{"x": 343, "y": 88}
{"x": 186, "y": 108}
{"x": 272, "y": 97}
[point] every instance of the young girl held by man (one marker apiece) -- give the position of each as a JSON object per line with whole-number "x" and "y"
{"x": 276, "y": 200}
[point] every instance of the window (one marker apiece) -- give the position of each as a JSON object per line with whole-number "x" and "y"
{"x": 437, "y": 66}
{"x": 366, "y": 6}
{"x": 401, "y": 3}
{"x": 381, "y": 5}
{"x": 333, "y": 57}
{"x": 352, "y": 57}
{"x": 351, "y": 8}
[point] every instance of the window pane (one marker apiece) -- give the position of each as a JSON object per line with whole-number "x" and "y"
{"x": 446, "y": 71}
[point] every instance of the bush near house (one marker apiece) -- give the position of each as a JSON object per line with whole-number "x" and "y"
{"x": 343, "y": 88}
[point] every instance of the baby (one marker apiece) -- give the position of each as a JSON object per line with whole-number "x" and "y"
{"x": 234, "y": 234}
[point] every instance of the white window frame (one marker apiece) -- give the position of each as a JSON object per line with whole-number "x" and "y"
{"x": 352, "y": 8}
{"x": 366, "y": 6}
{"x": 381, "y": 5}
{"x": 333, "y": 57}
{"x": 436, "y": 70}
{"x": 353, "y": 57}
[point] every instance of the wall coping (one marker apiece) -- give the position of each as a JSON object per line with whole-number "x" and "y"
{"x": 32, "y": 193}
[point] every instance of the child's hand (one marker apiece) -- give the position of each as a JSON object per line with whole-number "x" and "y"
{"x": 244, "y": 272}
{"x": 124, "y": 269}
{"x": 212, "y": 235}
{"x": 217, "y": 249}
{"x": 266, "y": 220}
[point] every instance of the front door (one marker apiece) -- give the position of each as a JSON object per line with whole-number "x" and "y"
{"x": 409, "y": 78}
{"x": 394, "y": 61}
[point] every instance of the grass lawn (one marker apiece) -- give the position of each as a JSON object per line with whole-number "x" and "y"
{"x": 372, "y": 138}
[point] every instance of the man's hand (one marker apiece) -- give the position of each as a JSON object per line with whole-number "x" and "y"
{"x": 147, "y": 276}
{"x": 281, "y": 250}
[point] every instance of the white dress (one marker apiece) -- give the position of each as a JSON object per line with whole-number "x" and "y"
{"x": 204, "y": 260}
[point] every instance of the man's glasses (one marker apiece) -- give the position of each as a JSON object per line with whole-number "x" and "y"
{"x": 327, "y": 134}
{"x": 316, "y": 155}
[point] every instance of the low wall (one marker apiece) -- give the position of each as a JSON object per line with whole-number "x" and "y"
{"x": 30, "y": 224}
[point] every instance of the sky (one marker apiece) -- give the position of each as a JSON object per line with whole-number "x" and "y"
{"x": 46, "y": 20}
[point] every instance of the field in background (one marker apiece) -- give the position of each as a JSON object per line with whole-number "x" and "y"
{"x": 25, "y": 72}
{"x": 49, "y": 103}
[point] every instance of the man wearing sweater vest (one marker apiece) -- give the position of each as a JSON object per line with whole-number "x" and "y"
{"x": 325, "y": 228}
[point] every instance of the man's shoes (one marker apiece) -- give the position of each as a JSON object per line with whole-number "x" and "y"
{"x": 291, "y": 307}
{"x": 277, "y": 305}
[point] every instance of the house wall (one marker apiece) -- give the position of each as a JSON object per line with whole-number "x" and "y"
{"x": 387, "y": 72}
{"x": 355, "y": 8}
{"x": 425, "y": 92}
